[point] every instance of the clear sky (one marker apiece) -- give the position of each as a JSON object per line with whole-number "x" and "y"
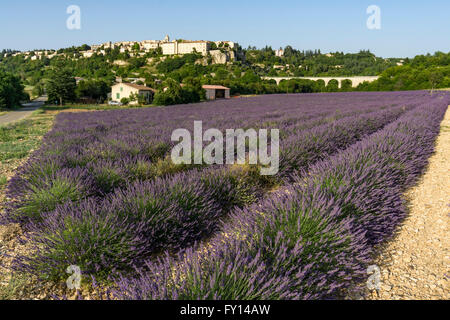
{"x": 408, "y": 28}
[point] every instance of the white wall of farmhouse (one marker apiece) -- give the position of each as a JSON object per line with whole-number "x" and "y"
{"x": 121, "y": 90}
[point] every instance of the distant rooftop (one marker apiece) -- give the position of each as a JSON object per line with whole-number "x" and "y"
{"x": 217, "y": 87}
{"x": 137, "y": 86}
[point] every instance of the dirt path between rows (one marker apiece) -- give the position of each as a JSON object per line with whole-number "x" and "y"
{"x": 416, "y": 263}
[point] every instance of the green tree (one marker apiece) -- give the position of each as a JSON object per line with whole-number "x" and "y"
{"x": 435, "y": 79}
{"x": 221, "y": 74}
{"x": 61, "y": 86}
{"x": 172, "y": 94}
{"x": 11, "y": 90}
{"x": 125, "y": 101}
{"x": 39, "y": 89}
{"x": 321, "y": 86}
{"x": 139, "y": 98}
{"x": 250, "y": 76}
{"x": 136, "y": 47}
{"x": 94, "y": 89}
{"x": 193, "y": 90}
{"x": 333, "y": 86}
{"x": 288, "y": 86}
{"x": 347, "y": 85}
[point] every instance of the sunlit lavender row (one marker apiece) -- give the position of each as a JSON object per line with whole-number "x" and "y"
{"x": 102, "y": 193}
{"x": 315, "y": 238}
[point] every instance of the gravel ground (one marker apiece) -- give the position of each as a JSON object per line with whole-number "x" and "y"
{"x": 415, "y": 265}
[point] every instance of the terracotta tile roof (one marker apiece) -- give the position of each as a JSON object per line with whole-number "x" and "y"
{"x": 139, "y": 87}
{"x": 208, "y": 86}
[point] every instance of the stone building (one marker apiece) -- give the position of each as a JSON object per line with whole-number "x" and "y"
{"x": 279, "y": 53}
{"x": 125, "y": 90}
{"x": 214, "y": 92}
{"x": 185, "y": 47}
{"x": 149, "y": 45}
{"x": 173, "y": 47}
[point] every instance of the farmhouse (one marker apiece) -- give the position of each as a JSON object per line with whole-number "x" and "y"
{"x": 126, "y": 90}
{"x": 214, "y": 92}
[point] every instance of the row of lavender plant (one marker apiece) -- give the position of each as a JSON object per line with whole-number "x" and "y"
{"x": 146, "y": 218}
{"x": 90, "y": 155}
{"x": 315, "y": 239}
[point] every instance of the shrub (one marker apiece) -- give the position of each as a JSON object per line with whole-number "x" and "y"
{"x": 45, "y": 192}
{"x": 108, "y": 177}
{"x": 82, "y": 235}
{"x": 125, "y": 101}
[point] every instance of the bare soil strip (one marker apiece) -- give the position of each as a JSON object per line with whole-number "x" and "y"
{"x": 415, "y": 263}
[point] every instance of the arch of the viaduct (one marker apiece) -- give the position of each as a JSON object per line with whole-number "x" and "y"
{"x": 356, "y": 81}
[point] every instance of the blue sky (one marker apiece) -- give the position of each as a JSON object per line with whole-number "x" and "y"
{"x": 408, "y": 28}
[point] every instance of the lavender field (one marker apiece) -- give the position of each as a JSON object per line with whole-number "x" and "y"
{"x": 102, "y": 193}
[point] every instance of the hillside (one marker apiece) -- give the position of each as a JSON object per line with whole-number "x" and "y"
{"x": 152, "y": 67}
{"x": 240, "y": 69}
{"x": 422, "y": 72}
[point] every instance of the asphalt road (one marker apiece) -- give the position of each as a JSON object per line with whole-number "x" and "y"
{"x": 22, "y": 113}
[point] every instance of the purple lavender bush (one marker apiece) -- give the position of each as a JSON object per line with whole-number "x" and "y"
{"x": 98, "y": 242}
{"x": 314, "y": 239}
{"x": 307, "y": 242}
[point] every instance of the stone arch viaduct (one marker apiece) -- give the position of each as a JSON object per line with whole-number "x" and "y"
{"x": 355, "y": 80}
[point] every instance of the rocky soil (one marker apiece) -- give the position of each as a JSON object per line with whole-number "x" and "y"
{"x": 415, "y": 264}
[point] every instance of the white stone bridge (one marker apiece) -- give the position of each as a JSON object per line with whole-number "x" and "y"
{"x": 355, "y": 80}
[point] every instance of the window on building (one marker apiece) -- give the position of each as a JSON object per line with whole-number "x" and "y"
{"x": 118, "y": 95}
{"x": 121, "y": 89}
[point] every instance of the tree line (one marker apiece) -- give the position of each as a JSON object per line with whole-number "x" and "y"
{"x": 178, "y": 79}
{"x": 421, "y": 73}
